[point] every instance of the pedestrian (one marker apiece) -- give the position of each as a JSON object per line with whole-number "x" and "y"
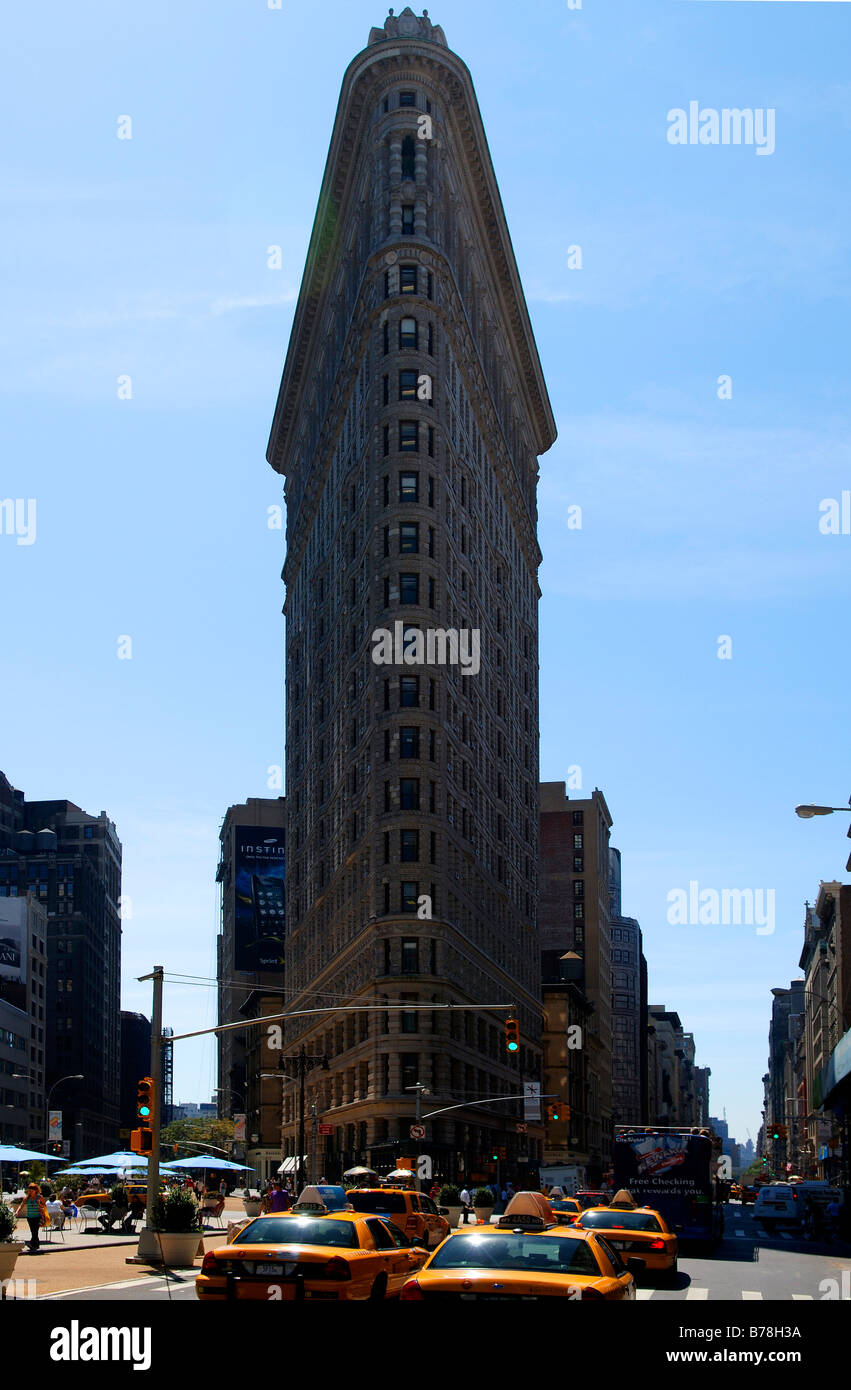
{"x": 434, "y": 1191}
{"x": 466, "y": 1202}
{"x": 223, "y": 1188}
{"x": 34, "y": 1208}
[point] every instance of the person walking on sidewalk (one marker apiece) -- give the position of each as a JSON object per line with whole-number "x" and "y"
{"x": 34, "y": 1208}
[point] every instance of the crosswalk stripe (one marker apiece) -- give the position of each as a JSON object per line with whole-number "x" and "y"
{"x": 643, "y": 1294}
{"x": 693, "y": 1292}
{"x": 799, "y": 1297}
{"x": 748, "y": 1293}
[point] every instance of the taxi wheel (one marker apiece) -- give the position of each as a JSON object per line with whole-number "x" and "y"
{"x": 378, "y": 1292}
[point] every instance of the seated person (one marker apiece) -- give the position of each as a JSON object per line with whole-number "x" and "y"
{"x": 56, "y": 1212}
{"x": 119, "y": 1208}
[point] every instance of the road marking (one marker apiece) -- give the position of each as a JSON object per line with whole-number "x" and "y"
{"x": 798, "y": 1297}
{"x": 644, "y": 1294}
{"x": 692, "y": 1292}
{"x": 748, "y": 1293}
{"x": 157, "y": 1281}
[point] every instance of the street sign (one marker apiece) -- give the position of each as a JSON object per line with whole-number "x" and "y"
{"x": 531, "y": 1100}
{"x": 418, "y": 1131}
{"x": 324, "y": 1129}
{"x": 522, "y": 1129}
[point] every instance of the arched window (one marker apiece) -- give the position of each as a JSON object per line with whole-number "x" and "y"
{"x": 407, "y": 333}
{"x": 408, "y": 157}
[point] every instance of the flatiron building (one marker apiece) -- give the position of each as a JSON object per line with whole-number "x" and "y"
{"x": 408, "y": 426}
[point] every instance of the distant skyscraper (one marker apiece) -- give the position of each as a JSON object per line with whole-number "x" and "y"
{"x": 574, "y": 915}
{"x": 410, "y": 417}
{"x": 629, "y": 1007}
{"x": 135, "y": 1063}
{"x": 71, "y": 862}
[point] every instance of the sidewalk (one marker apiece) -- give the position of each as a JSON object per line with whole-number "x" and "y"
{"x": 88, "y": 1266}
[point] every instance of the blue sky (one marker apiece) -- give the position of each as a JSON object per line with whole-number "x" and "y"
{"x": 148, "y": 257}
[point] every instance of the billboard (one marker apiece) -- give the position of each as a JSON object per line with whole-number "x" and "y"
{"x": 54, "y": 1125}
{"x": 664, "y": 1164}
{"x": 13, "y": 952}
{"x": 259, "y": 897}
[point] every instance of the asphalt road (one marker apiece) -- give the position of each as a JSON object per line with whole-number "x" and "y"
{"x": 747, "y": 1267}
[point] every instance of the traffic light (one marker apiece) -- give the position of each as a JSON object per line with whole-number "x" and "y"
{"x": 145, "y": 1100}
{"x": 512, "y": 1035}
{"x": 142, "y": 1138}
{"x": 783, "y": 1131}
{"x": 142, "y": 1141}
{"x": 553, "y": 1112}
{"x": 567, "y": 1114}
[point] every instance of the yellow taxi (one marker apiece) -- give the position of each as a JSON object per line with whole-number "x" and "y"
{"x": 566, "y": 1208}
{"x": 527, "y": 1256}
{"x": 638, "y": 1231}
{"x": 414, "y": 1213}
{"x": 310, "y": 1253}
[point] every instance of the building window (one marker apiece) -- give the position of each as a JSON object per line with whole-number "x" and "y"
{"x": 407, "y": 219}
{"x": 409, "y": 846}
{"x": 577, "y": 818}
{"x": 579, "y": 888}
{"x": 409, "y": 158}
{"x": 409, "y": 436}
{"x": 577, "y": 842}
{"x": 408, "y": 333}
{"x": 409, "y": 588}
{"x": 409, "y": 538}
{"x": 409, "y": 741}
{"x": 409, "y": 692}
{"x": 407, "y": 98}
{"x": 431, "y": 441}
{"x": 409, "y": 487}
{"x": 431, "y": 592}
{"x": 407, "y": 386}
{"x": 386, "y": 337}
{"x": 386, "y": 440}
{"x": 408, "y": 279}
{"x": 409, "y": 1020}
{"x": 409, "y": 794}
{"x": 430, "y": 495}
{"x": 578, "y": 912}
{"x": 410, "y": 956}
{"x": 579, "y": 863}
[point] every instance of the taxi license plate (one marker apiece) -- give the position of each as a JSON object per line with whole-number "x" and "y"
{"x": 276, "y": 1269}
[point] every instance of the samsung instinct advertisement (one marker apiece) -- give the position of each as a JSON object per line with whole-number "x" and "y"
{"x": 259, "y": 899}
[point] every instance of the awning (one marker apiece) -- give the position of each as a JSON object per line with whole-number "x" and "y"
{"x": 289, "y": 1164}
{"x": 837, "y": 1070}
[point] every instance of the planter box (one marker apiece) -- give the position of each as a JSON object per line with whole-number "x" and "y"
{"x": 455, "y": 1214}
{"x": 9, "y": 1252}
{"x": 251, "y": 1206}
{"x": 178, "y": 1248}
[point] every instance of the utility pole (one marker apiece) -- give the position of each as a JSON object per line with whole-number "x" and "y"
{"x": 302, "y": 1068}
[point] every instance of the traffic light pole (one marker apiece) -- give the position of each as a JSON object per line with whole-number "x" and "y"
{"x": 149, "y": 1247}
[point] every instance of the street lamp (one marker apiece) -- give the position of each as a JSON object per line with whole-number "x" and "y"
{"x": 807, "y": 812}
{"x": 72, "y": 1076}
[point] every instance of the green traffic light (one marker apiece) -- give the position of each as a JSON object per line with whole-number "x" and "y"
{"x": 144, "y": 1111}
{"x": 513, "y": 1047}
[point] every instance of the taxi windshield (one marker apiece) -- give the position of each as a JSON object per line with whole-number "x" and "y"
{"x": 613, "y": 1220}
{"x": 300, "y": 1230}
{"x": 532, "y": 1253}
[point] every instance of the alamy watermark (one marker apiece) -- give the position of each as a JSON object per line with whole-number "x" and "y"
{"x": 729, "y": 126}
{"x": 729, "y": 907}
{"x": 18, "y": 518}
{"x": 436, "y": 646}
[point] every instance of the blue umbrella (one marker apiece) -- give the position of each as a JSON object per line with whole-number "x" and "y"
{"x": 207, "y": 1161}
{"x": 9, "y": 1154}
{"x": 121, "y": 1159}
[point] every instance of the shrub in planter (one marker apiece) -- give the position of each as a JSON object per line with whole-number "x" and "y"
{"x": 176, "y": 1212}
{"x": 449, "y": 1197}
{"x": 7, "y": 1223}
{"x": 483, "y": 1197}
